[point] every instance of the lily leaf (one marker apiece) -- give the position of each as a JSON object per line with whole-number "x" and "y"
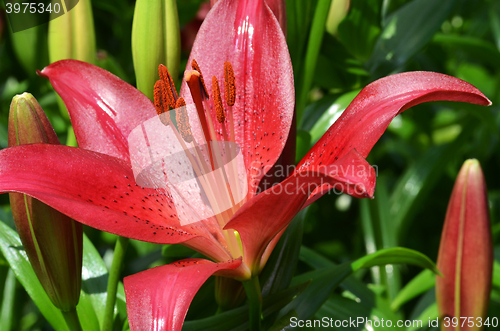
{"x": 237, "y": 319}
{"x": 421, "y": 283}
{"x": 281, "y": 265}
{"x": 94, "y": 280}
{"x": 406, "y": 32}
{"x": 396, "y": 255}
{"x": 323, "y": 281}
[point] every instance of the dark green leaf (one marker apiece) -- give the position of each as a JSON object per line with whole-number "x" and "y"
{"x": 395, "y": 255}
{"x": 279, "y": 269}
{"x": 421, "y": 283}
{"x": 358, "y": 32}
{"x": 237, "y": 319}
{"x": 407, "y": 31}
{"x": 94, "y": 280}
{"x": 334, "y": 110}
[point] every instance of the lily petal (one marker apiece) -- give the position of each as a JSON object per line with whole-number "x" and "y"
{"x": 100, "y": 191}
{"x": 278, "y": 7}
{"x": 370, "y": 113}
{"x": 103, "y": 108}
{"x": 260, "y": 220}
{"x": 247, "y": 34}
{"x": 159, "y": 298}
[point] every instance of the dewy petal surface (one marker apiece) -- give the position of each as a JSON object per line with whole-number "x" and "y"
{"x": 266, "y": 214}
{"x": 159, "y": 298}
{"x": 371, "y": 112}
{"x": 100, "y": 191}
{"x": 278, "y": 7}
{"x": 373, "y": 109}
{"x": 103, "y": 108}
{"x": 247, "y": 34}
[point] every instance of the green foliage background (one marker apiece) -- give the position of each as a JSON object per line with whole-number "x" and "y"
{"x": 417, "y": 159}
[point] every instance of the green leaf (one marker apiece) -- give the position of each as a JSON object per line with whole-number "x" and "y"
{"x": 313, "y": 48}
{"x": 9, "y": 295}
{"x": 12, "y": 249}
{"x": 303, "y": 144}
{"x": 395, "y": 255}
{"x": 339, "y": 308}
{"x": 421, "y": 283}
{"x": 494, "y": 16}
{"x": 94, "y": 280}
{"x": 418, "y": 180}
{"x": 430, "y": 314}
{"x": 324, "y": 281}
{"x": 477, "y": 49}
{"x": 496, "y": 274}
{"x": 284, "y": 322}
{"x": 335, "y": 109}
{"x": 407, "y": 31}
{"x": 380, "y": 233}
{"x": 237, "y": 319}
{"x": 30, "y": 47}
{"x": 279, "y": 269}
{"x": 351, "y": 284}
{"x": 281, "y": 265}
{"x": 358, "y": 32}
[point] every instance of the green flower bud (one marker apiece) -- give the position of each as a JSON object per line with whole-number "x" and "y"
{"x": 155, "y": 40}
{"x": 466, "y": 252}
{"x": 338, "y": 10}
{"x": 52, "y": 241}
{"x": 72, "y": 36}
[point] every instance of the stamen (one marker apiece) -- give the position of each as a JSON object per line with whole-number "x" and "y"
{"x": 219, "y": 109}
{"x": 229, "y": 84}
{"x": 183, "y": 120}
{"x": 171, "y": 93}
{"x": 160, "y": 104}
{"x": 196, "y": 67}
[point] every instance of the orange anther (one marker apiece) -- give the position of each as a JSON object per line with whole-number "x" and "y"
{"x": 196, "y": 67}
{"x": 182, "y": 119}
{"x": 219, "y": 108}
{"x": 171, "y": 93}
{"x": 160, "y": 104}
{"x": 229, "y": 83}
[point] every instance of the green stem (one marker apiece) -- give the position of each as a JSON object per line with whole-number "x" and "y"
{"x": 114, "y": 277}
{"x": 71, "y": 318}
{"x": 313, "y": 50}
{"x": 252, "y": 289}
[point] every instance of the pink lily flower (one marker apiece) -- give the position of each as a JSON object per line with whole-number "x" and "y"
{"x": 95, "y": 184}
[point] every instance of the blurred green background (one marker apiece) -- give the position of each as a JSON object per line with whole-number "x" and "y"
{"x": 417, "y": 159}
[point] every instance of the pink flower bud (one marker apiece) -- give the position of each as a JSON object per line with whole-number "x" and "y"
{"x": 466, "y": 252}
{"x": 52, "y": 241}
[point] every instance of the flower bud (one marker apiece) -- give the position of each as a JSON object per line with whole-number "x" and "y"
{"x": 338, "y": 10}
{"x": 155, "y": 40}
{"x": 52, "y": 241}
{"x": 466, "y": 253}
{"x": 71, "y": 35}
